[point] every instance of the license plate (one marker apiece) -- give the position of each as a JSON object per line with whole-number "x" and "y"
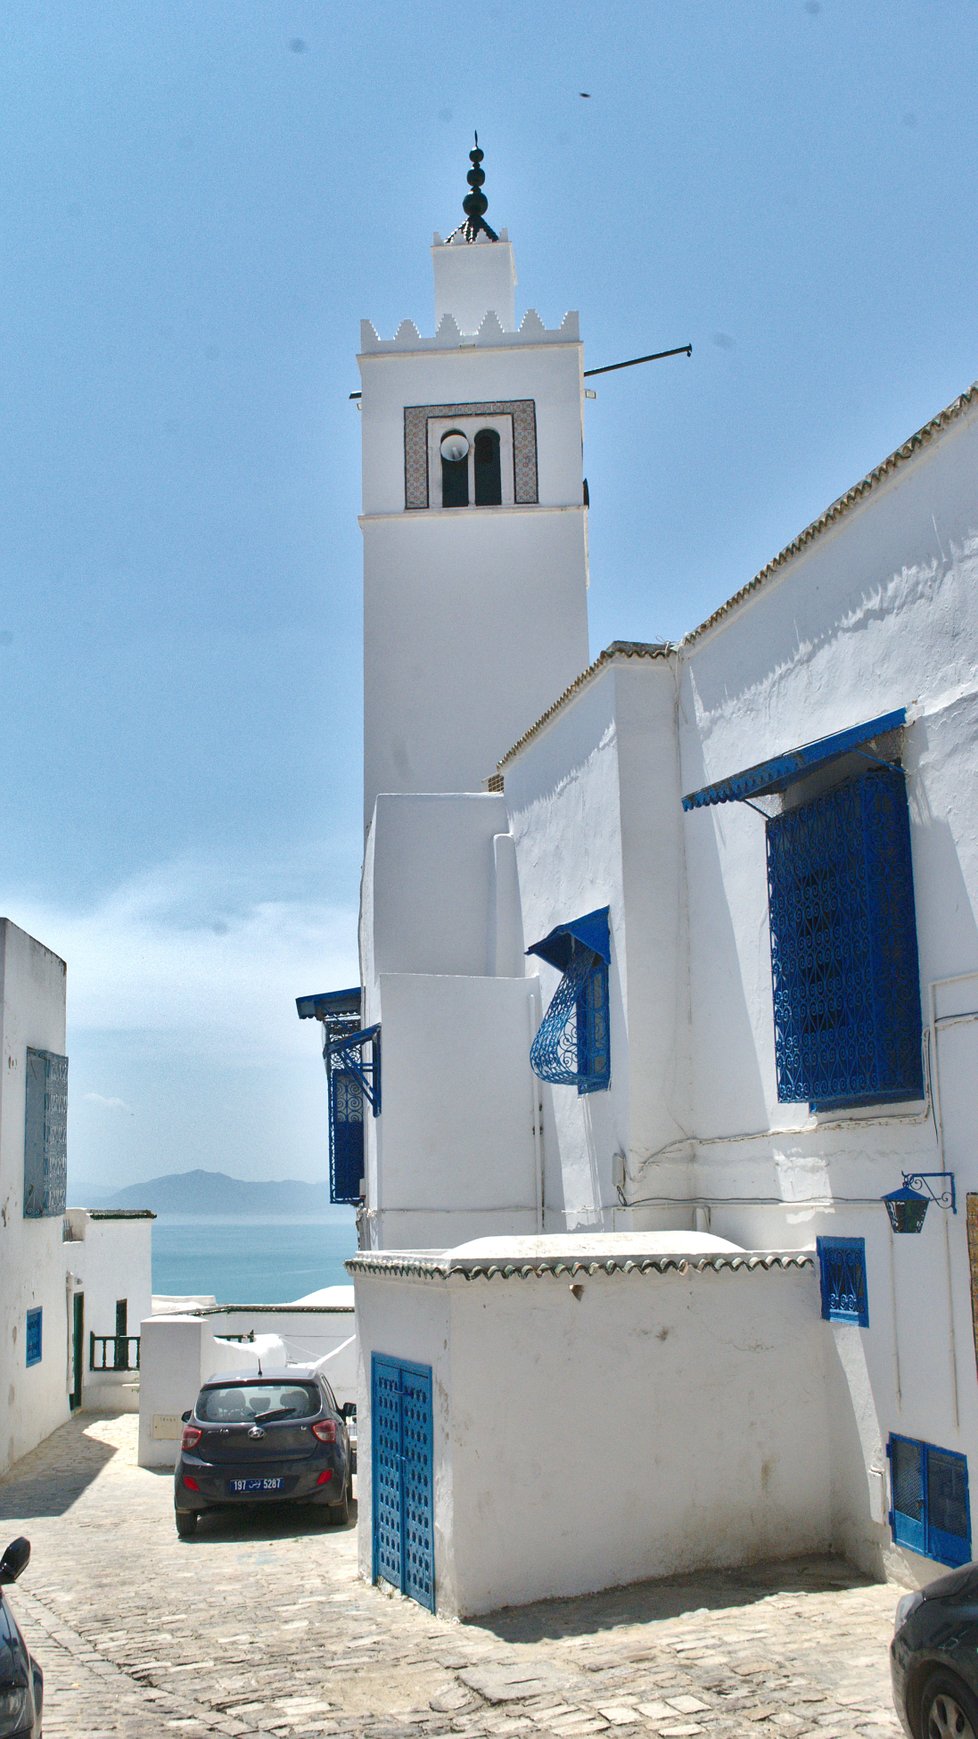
{"x": 241, "y": 1485}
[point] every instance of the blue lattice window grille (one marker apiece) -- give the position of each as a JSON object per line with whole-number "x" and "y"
{"x": 573, "y": 1045}
{"x": 33, "y": 1339}
{"x": 45, "y": 1135}
{"x": 844, "y": 946}
{"x": 353, "y": 1075}
{"x": 842, "y": 1269}
{"x": 352, "y": 1057}
{"x": 931, "y": 1511}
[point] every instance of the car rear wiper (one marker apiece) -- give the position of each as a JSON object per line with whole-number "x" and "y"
{"x": 274, "y": 1413}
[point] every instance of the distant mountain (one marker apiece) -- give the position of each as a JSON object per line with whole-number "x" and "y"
{"x": 213, "y": 1192}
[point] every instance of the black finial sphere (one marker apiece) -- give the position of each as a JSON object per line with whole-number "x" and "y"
{"x": 474, "y": 204}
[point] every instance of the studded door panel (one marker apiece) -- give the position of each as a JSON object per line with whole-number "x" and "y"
{"x": 401, "y": 1427}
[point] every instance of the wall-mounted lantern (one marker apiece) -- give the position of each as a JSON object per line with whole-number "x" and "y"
{"x": 907, "y": 1207}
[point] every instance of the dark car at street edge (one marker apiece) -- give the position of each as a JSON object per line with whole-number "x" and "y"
{"x": 261, "y": 1437}
{"x": 934, "y": 1658}
{"x": 21, "y": 1679}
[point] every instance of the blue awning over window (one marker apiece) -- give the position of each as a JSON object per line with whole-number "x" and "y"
{"x": 781, "y": 770}
{"x": 591, "y": 930}
{"x": 329, "y": 1004}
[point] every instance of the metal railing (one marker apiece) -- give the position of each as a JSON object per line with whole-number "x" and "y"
{"x": 113, "y": 1352}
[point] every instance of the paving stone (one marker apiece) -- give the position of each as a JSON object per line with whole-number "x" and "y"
{"x": 266, "y": 1632}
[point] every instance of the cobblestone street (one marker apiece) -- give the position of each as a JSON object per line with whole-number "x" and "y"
{"x": 260, "y": 1626}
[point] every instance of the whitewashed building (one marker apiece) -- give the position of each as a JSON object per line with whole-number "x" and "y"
{"x": 670, "y": 975}
{"x": 73, "y": 1282}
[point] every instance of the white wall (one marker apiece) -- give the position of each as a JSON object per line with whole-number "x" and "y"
{"x": 179, "y": 1353}
{"x": 655, "y": 1425}
{"x": 457, "y": 1149}
{"x": 474, "y": 619}
{"x": 32, "y": 1264}
{"x": 110, "y": 1257}
{"x": 429, "y": 888}
{"x": 594, "y": 810}
{"x": 471, "y": 278}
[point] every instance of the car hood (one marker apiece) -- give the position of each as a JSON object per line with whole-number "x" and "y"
{"x": 957, "y": 1583}
{"x": 15, "y": 1666}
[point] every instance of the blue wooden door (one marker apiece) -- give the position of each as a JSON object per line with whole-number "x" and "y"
{"x": 401, "y": 1466}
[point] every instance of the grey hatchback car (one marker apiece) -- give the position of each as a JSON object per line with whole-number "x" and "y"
{"x": 274, "y": 1436}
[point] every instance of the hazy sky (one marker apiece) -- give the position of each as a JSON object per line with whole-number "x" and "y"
{"x": 199, "y": 200}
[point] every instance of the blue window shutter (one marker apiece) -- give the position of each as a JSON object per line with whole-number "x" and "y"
{"x": 844, "y": 964}
{"x": 907, "y": 1478}
{"x": 948, "y": 1509}
{"x": 931, "y": 1509}
{"x": 34, "y": 1343}
{"x": 571, "y": 1047}
{"x": 842, "y": 1272}
{"x": 45, "y": 1134}
{"x": 34, "y": 1137}
{"x": 345, "y": 1136}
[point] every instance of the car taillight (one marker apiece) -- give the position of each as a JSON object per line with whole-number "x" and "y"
{"x": 325, "y": 1430}
{"x": 190, "y": 1482}
{"x": 191, "y": 1437}
{"x": 325, "y": 1476}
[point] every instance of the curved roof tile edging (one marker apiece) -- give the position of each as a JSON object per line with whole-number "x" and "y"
{"x": 406, "y": 1267}
{"x": 842, "y": 505}
{"x": 617, "y": 649}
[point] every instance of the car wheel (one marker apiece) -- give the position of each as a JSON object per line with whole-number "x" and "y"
{"x": 339, "y": 1514}
{"x": 947, "y": 1709}
{"x": 186, "y": 1521}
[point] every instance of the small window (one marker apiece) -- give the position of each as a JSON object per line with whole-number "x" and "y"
{"x": 573, "y": 1045}
{"x": 842, "y": 1268}
{"x": 931, "y": 1512}
{"x": 844, "y": 966}
{"x": 486, "y": 465}
{"x": 454, "y": 469}
{"x": 34, "y": 1337}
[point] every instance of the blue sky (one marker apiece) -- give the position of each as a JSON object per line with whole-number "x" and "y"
{"x": 199, "y": 202}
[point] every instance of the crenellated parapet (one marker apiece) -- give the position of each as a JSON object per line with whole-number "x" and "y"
{"x": 531, "y": 330}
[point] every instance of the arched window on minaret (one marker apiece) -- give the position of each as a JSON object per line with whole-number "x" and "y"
{"x": 488, "y": 473}
{"x": 455, "y": 469}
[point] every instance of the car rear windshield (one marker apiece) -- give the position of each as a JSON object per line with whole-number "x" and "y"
{"x": 243, "y": 1403}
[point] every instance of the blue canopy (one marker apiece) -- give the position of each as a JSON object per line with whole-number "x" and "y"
{"x": 591, "y": 930}
{"x": 329, "y": 1003}
{"x": 778, "y": 773}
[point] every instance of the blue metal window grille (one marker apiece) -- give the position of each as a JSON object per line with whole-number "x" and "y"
{"x": 345, "y": 1136}
{"x": 572, "y": 1047}
{"x": 402, "y": 1477}
{"x": 844, "y": 946}
{"x": 352, "y": 1058}
{"x": 45, "y": 1135}
{"x": 842, "y": 1269}
{"x": 931, "y": 1511}
{"x": 34, "y": 1337}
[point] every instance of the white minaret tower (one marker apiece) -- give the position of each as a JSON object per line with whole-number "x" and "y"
{"x": 474, "y": 525}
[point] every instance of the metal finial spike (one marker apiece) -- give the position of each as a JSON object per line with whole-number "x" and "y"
{"x": 475, "y": 204}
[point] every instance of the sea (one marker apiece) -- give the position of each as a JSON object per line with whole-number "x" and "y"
{"x": 251, "y": 1259}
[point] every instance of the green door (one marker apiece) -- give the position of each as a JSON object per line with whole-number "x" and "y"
{"x": 77, "y": 1348}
